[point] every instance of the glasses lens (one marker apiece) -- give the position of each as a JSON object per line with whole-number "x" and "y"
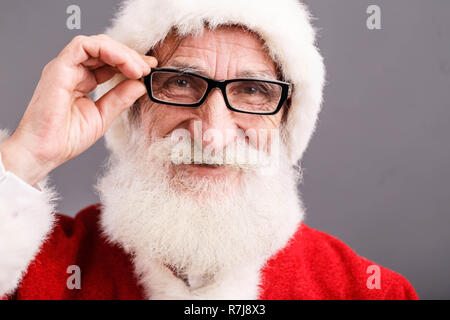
{"x": 177, "y": 87}
{"x": 254, "y": 96}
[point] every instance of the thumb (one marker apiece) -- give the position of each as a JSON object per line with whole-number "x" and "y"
{"x": 119, "y": 98}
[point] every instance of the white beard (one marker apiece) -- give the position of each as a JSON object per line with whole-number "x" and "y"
{"x": 219, "y": 243}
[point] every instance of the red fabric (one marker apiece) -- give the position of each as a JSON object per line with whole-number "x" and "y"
{"x": 313, "y": 265}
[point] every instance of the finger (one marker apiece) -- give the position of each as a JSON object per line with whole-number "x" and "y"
{"x": 104, "y": 73}
{"x": 150, "y": 60}
{"x": 93, "y": 63}
{"x": 87, "y": 80}
{"x": 139, "y": 58}
{"x": 111, "y": 52}
{"x": 121, "y": 97}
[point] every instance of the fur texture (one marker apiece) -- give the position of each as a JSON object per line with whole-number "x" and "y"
{"x": 284, "y": 26}
{"x": 25, "y": 220}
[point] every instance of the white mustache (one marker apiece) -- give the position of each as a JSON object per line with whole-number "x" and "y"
{"x": 238, "y": 154}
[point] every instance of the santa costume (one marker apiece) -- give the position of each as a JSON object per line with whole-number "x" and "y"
{"x": 135, "y": 246}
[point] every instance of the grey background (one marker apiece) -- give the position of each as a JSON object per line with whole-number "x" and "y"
{"x": 377, "y": 170}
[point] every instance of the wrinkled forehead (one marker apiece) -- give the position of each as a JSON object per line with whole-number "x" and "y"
{"x": 243, "y": 40}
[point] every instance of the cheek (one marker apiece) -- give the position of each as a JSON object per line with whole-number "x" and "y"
{"x": 261, "y": 129}
{"x": 257, "y": 122}
{"x": 159, "y": 120}
{"x": 274, "y": 121}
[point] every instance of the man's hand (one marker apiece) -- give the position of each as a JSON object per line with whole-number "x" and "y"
{"x": 61, "y": 121}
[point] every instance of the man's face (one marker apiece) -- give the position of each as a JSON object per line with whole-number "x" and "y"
{"x": 224, "y": 53}
{"x": 244, "y": 215}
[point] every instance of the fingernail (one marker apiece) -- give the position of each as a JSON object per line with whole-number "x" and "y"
{"x": 151, "y": 60}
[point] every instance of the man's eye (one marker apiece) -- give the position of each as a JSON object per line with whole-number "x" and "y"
{"x": 254, "y": 90}
{"x": 178, "y": 82}
{"x": 181, "y": 83}
{"x": 250, "y": 90}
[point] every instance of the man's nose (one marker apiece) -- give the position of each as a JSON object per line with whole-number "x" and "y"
{"x": 218, "y": 127}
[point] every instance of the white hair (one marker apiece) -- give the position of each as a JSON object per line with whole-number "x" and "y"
{"x": 205, "y": 235}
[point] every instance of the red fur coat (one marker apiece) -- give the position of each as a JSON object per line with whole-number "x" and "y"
{"x": 313, "y": 265}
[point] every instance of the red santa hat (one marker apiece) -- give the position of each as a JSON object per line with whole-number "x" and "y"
{"x": 283, "y": 25}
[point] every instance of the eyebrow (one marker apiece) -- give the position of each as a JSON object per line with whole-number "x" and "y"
{"x": 190, "y": 68}
{"x": 263, "y": 74}
{"x": 182, "y": 67}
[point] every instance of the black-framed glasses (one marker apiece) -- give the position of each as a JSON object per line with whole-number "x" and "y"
{"x": 184, "y": 89}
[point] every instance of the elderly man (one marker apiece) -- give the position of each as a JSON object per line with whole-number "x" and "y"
{"x": 207, "y": 108}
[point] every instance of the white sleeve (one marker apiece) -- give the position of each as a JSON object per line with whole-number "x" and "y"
{"x": 26, "y": 218}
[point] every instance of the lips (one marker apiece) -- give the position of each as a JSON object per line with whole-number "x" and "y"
{"x": 208, "y": 169}
{"x": 207, "y": 165}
